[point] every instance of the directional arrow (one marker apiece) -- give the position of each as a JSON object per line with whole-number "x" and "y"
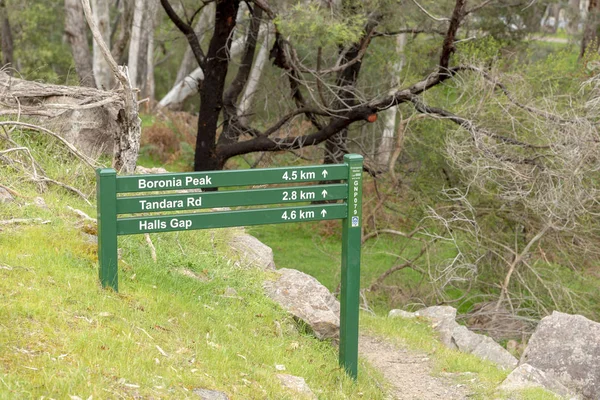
{"x": 324, "y": 173}
{"x": 324, "y": 193}
{"x": 323, "y": 213}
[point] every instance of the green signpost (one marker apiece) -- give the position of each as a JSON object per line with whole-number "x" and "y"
{"x": 110, "y": 205}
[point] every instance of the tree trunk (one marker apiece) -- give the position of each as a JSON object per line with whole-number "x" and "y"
{"x": 590, "y": 32}
{"x": 7, "y": 40}
{"x": 135, "y": 42}
{"x": 124, "y": 33}
{"x": 573, "y": 17}
{"x": 190, "y": 84}
{"x": 102, "y": 73}
{"x": 148, "y": 86}
{"x": 389, "y": 116}
{"x": 76, "y": 31}
{"x": 211, "y": 93}
{"x": 252, "y": 86}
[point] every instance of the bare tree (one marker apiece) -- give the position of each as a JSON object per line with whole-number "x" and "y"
{"x": 76, "y": 31}
{"x": 102, "y": 73}
{"x": 7, "y": 40}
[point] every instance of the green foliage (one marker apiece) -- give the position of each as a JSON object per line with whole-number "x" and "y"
{"x": 319, "y": 26}
{"x": 39, "y": 49}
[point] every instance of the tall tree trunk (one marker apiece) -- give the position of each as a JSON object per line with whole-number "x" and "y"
{"x": 76, "y": 31}
{"x": 148, "y": 86}
{"x": 7, "y": 40}
{"x": 252, "y": 86}
{"x": 102, "y": 73}
{"x": 134, "y": 43}
{"x": 590, "y": 31}
{"x": 389, "y": 116}
{"x": 573, "y": 17}
{"x": 124, "y": 32}
{"x": 211, "y": 93}
{"x": 556, "y": 15}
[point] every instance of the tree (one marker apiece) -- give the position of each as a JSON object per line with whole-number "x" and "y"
{"x": 6, "y": 35}
{"x": 76, "y": 31}
{"x": 102, "y": 73}
{"x": 338, "y": 105}
{"x": 590, "y": 31}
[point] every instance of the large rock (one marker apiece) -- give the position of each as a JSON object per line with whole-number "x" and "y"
{"x": 459, "y": 337}
{"x": 298, "y": 385}
{"x": 525, "y": 376}
{"x": 443, "y": 318}
{"x": 483, "y": 347}
{"x": 5, "y": 196}
{"x": 252, "y": 252}
{"x": 568, "y": 347}
{"x": 207, "y": 394}
{"x": 305, "y": 298}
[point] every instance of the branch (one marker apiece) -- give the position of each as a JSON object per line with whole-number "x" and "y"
{"x": 188, "y": 31}
{"x": 448, "y": 47}
{"x": 429, "y": 14}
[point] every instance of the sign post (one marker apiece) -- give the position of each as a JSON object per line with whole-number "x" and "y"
{"x": 297, "y": 204}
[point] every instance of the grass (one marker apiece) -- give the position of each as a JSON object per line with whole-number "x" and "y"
{"x": 166, "y": 333}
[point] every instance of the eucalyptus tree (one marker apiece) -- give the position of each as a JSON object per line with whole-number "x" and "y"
{"x": 320, "y": 48}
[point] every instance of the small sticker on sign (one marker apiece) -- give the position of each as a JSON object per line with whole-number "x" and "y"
{"x": 354, "y": 222}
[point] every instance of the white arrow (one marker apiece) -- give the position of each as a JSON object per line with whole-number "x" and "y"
{"x": 324, "y": 193}
{"x": 324, "y": 173}
{"x": 323, "y": 213}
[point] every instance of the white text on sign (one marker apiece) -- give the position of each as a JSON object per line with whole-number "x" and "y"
{"x": 165, "y": 204}
{"x": 156, "y": 224}
{"x": 174, "y": 182}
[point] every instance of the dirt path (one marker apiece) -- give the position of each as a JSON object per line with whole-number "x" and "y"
{"x": 408, "y": 372}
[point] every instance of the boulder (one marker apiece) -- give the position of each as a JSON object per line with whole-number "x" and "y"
{"x": 306, "y": 299}
{"x": 296, "y": 384}
{"x": 567, "y": 347}
{"x": 5, "y": 196}
{"x": 483, "y": 347}
{"x": 525, "y": 376}
{"x": 252, "y": 252}
{"x": 401, "y": 314}
{"x": 207, "y": 394}
{"x": 443, "y": 318}
{"x": 156, "y": 170}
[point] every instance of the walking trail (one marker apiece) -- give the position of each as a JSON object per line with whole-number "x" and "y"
{"x": 408, "y": 372}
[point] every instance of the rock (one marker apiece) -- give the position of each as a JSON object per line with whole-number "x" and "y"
{"x": 525, "y": 376}
{"x": 143, "y": 170}
{"x": 297, "y": 384}
{"x": 5, "y": 196}
{"x": 443, "y": 318}
{"x": 39, "y": 201}
{"x": 305, "y": 298}
{"x": 252, "y": 252}
{"x": 482, "y": 346}
{"x": 568, "y": 347}
{"x": 400, "y": 314}
{"x": 206, "y": 394}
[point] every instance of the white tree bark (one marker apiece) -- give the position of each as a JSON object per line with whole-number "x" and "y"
{"x": 150, "y": 25}
{"x": 389, "y": 115}
{"x": 252, "y": 85}
{"x": 102, "y": 73}
{"x": 189, "y": 86}
{"x": 204, "y": 22}
{"x": 134, "y": 43}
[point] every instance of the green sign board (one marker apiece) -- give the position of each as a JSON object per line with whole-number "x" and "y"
{"x": 154, "y": 213}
